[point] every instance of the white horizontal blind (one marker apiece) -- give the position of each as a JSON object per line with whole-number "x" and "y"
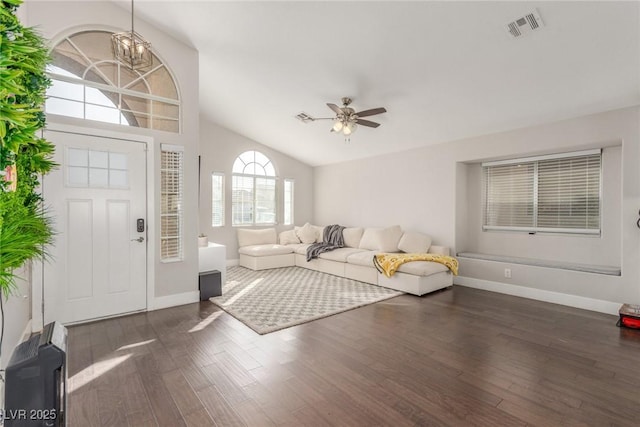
{"x": 171, "y": 210}
{"x": 217, "y": 199}
{"x": 242, "y": 200}
{"x": 265, "y": 203}
{"x": 569, "y": 193}
{"x": 548, "y": 194}
{"x": 509, "y": 196}
{"x": 288, "y": 201}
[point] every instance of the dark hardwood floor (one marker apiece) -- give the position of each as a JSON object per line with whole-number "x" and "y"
{"x": 458, "y": 357}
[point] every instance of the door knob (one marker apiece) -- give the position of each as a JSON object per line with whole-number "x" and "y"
{"x": 139, "y": 239}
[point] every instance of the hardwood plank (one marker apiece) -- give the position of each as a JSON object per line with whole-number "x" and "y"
{"x": 219, "y": 409}
{"x": 183, "y": 395}
{"x": 164, "y": 408}
{"x": 200, "y": 418}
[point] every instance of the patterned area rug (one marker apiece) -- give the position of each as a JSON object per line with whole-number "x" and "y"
{"x": 270, "y": 300}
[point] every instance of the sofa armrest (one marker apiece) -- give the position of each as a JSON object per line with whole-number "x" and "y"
{"x": 440, "y": 250}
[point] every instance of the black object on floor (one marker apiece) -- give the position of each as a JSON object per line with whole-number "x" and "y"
{"x": 210, "y": 284}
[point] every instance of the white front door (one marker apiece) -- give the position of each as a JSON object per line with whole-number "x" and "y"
{"x": 97, "y": 199}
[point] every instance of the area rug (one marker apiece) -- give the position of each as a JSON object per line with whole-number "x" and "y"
{"x": 270, "y": 300}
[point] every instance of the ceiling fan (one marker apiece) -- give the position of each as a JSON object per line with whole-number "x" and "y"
{"x": 346, "y": 120}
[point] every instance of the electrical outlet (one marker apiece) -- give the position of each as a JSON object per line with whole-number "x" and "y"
{"x": 507, "y": 273}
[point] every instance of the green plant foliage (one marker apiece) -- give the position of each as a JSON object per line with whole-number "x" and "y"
{"x": 25, "y": 229}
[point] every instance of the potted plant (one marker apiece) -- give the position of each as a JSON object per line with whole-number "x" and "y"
{"x": 203, "y": 240}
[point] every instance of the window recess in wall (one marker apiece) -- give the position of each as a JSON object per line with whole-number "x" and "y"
{"x": 171, "y": 203}
{"x": 217, "y": 199}
{"x": 288, "y": 201}
{"x": 559, "y": 193}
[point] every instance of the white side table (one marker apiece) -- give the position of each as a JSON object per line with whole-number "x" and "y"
{"x": 213, "y": 257}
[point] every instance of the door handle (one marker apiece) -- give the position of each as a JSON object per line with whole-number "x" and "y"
{"x": 139, "y": 239}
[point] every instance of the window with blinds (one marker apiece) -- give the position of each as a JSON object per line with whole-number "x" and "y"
{"x": 288, "y": 201}
{"x": 217, "y": 199}
{"x": 556, "y": 193}
{"x": 171, "y": 211}
{"x": 253, "y": 201}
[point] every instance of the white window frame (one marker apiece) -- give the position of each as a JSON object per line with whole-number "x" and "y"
{"x": 288, "y": 205}
{"x": 220, "y": 200}
{"x": 178, "y": 254}
{"x": 268, "y": 174}
{"x": 535, "y": 163}
{"x": 60, "y": 75}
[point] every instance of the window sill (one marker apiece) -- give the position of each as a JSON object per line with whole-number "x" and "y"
{"x": 583, "y": 268}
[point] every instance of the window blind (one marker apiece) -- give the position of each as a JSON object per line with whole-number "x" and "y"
{"x": 171, "y": 211}
{"x": 217, "y": 199}
{"x": 548, "y": 194}
{"x": 288, "y": 201}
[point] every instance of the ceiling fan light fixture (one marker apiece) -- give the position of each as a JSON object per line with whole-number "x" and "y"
{"x": 347, "y": 130}
{"x": 337, "y": 126}
{"x": 350, "y": 128}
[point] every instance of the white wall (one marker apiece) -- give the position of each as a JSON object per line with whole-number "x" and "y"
{"x": 219, "y": 148}
{"x": 17, "y": 314}
{"x": 427, "y": 190}
{"x": 55, "y": 19}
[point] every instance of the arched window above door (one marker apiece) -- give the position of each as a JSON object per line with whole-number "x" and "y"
{"x": 88, "y": 83}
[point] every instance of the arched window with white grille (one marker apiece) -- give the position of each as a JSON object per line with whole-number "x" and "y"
{"x": 88, "y": 83}
{"x": 254, "y": 190}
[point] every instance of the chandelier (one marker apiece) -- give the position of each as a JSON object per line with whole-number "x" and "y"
{"x": 131, "y": 49}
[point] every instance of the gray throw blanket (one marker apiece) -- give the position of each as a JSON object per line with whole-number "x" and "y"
{"x": 332, "y": 238}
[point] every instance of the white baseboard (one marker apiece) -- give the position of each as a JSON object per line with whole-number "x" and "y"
{"x": 159, "y": 303}
{"x": 233, "y": 262}
{"x": 576, "y": 301}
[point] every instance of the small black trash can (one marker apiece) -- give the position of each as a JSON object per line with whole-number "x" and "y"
{"x": 210, "y": 284}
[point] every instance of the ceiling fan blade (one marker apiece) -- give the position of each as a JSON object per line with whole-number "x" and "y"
{"x": 335, "y": 108}
{"x": 367, "y": 123}
{"x": 371, "y": 112}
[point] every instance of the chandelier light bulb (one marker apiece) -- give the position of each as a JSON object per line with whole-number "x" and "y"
{"x": 337, "y": 127}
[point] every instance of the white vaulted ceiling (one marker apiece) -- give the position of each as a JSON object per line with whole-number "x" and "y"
{"x": 443, "y": 70}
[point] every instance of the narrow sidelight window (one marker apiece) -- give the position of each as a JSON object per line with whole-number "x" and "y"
{"x": 171, "y": 206}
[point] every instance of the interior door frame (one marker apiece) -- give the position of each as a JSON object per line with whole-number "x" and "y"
{"x": 38, "y": 305}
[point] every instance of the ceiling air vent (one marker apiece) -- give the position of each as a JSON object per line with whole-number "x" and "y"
{"x": 526, "y": 24}
{"x": 304, "y": 117}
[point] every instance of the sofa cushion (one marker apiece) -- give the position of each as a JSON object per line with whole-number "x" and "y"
{"x": 388, "y": 238}
{"x": 364, "y": 258}
{"x": 352, "y": 236}
{"x": 301, "y": 248}
{"x": 340, "y": 254}
{"x": 422, "y": 268}
{"x": 414, "y": 243}
{"x": 319, "y": 233}
{"x": 250, "y": 237}
{"x": 307, "y": 233}
{"x": 381, "y": 239}
{"x": 265, "y": 250}
{"x": 289, "y": 237}
{"x": 369, "y": 239}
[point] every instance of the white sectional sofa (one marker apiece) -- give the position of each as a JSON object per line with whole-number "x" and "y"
{"x": 262, "y": 249}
